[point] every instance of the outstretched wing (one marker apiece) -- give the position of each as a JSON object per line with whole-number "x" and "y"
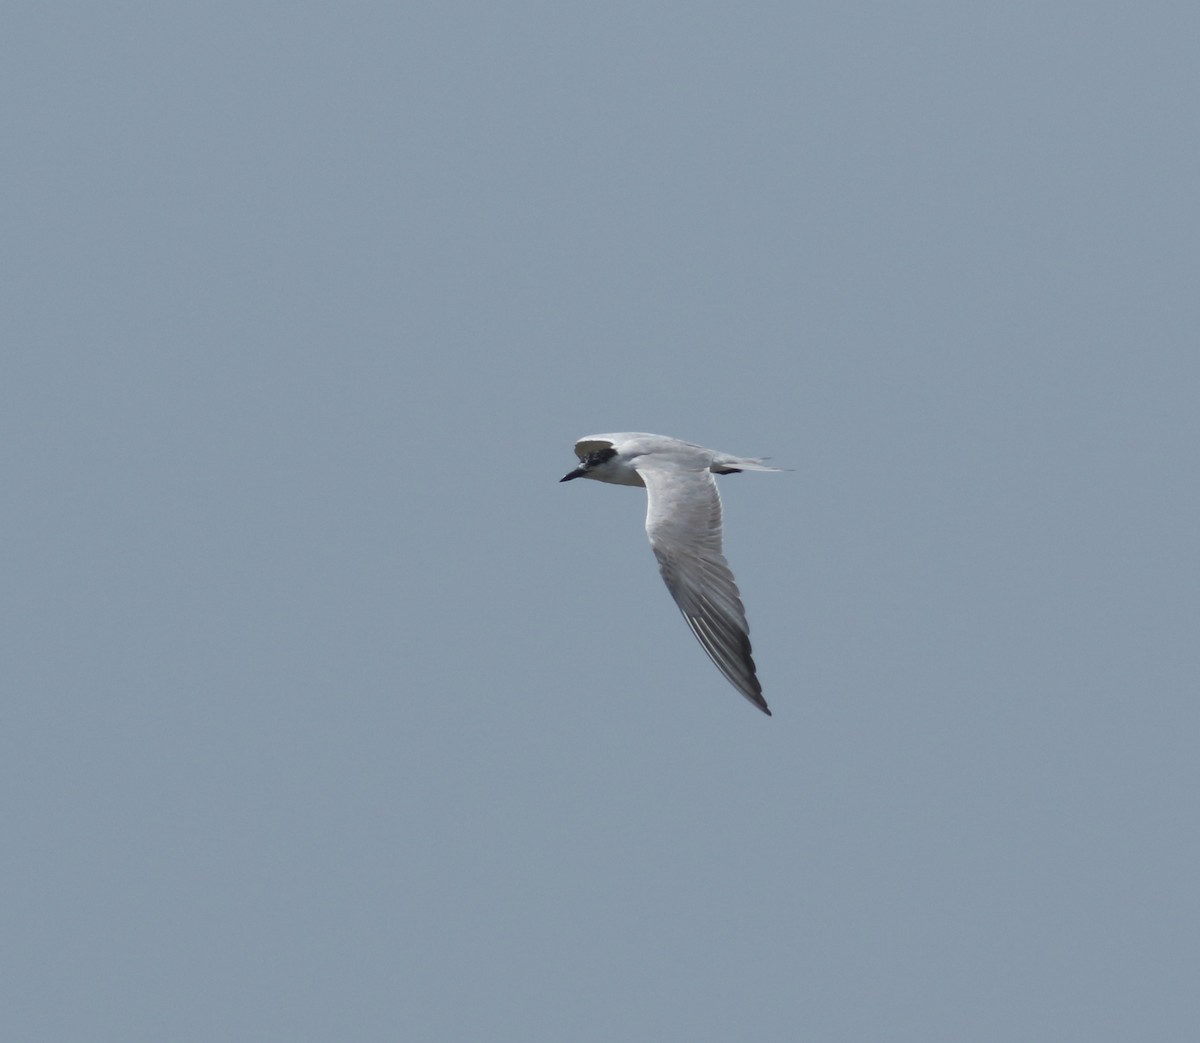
{"x": 683, "y": 521}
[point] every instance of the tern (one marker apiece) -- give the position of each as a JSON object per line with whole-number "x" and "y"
{"x": 683, "y": 521}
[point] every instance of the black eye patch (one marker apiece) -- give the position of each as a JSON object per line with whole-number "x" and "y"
{"x": 600, "y": 455}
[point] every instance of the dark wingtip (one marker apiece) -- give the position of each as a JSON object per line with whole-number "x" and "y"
{"x": 758, "y": 700}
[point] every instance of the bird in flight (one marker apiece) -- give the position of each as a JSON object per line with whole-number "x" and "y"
{"x": 683, "y": 521}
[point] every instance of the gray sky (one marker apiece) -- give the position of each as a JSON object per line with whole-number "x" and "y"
{"x": 330, "y": 714}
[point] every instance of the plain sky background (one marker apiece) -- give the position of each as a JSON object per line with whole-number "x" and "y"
{"x": 329, "y": 714}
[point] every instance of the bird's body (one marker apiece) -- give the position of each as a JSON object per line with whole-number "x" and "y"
{"x": 683, "y": 521}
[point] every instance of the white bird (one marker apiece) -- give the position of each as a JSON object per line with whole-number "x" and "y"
{"x": 683, "y": 521}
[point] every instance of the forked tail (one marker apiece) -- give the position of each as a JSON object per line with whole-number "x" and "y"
{"x": 723, "y": 463}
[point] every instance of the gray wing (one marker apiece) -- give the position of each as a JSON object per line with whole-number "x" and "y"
{"x": 683, "y": 521}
